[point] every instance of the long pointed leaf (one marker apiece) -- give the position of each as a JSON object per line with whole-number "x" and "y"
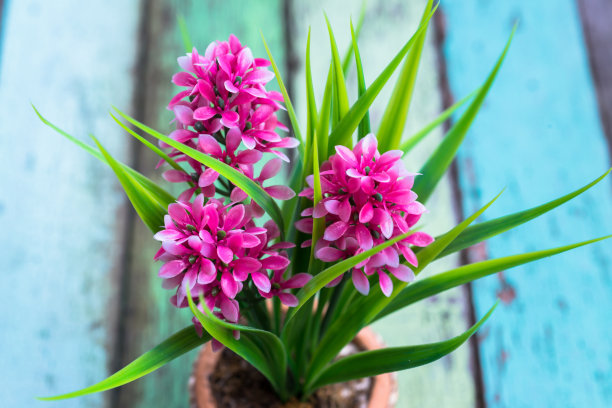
{"x": 349, "y": 123}
{"x": 184, "y": 33}
{"x": 438, "y": 163}
{"x": 311, "y": 111}
{"x": 485, "y": 230}
{"x": 341, "y": 96}
{"x": 364, "y": 125}
{"x": 433, "y": 285}
{"x": 347, "y": 55}
{"x": 171, "y": 348}
{"x": 150, "y": 211}
{"x": 331, "y": 273}
{"x": 420, "y": 135}
{"x": 283, "y": 88}
{"x": 150, "y": 145}
{"x": 394, "y": 119}
{"x": 392, "y": 359}
{"x": 160, "y": 194}
{"x": 366, "y": 308}
{"x": 253, "y": 190}
{"x": 262, "y": 349}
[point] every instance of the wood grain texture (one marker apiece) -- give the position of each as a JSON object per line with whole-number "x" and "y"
{"x": 149, "y": 317}
{"x": 597, "y": 27}
{"x": 388, "y": 24}
{"x": 62, "y": 209}
{"x": 539, "y": 135}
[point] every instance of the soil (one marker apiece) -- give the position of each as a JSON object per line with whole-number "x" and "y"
{"x": 236, "y": 384}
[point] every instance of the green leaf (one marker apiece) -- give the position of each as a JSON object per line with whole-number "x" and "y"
{"x": 253, "y": 190}
{"x": 150, "y": 211}
{"x": 394, "y": 119}
{"x": 341, "y": 96}
{"x": 171, "y": 348}
{"x": 288, "y": 104}
{"x": 374, "y": 362}
{"x": 433, "y": 285}
{"x": 347, "y": 55}
{"x": 262, "y": 349}
{"x": 363, "y": 310}
{"x": 311, "y": 111}
{"x": 436, "y": 165}
{"x": 420, "y": 135}
{"x": 324, "y": 115}
{"x": 349, "y": 123}
{"x": 184, "y": 33}
{"x": 364, "y": 125}
{"x": 159, "y": 193}
{"x": 331, "y": 273}
{"x": 318, "y": 226}
{"x": 485, "y": 230}
{"x": 430, "y": 252}
{"x": 150, "y": 145}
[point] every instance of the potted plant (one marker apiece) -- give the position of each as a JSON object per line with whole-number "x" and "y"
{"x": 287, "y": 291}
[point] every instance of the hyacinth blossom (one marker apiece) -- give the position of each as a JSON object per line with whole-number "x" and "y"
{"x": 224, "y": 103}
{"x": 367, "y": 199}
{"x": 215, "y": 249}
{"x": 235, "y": 270}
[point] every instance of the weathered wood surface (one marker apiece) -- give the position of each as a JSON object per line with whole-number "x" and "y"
{"x": 149, "y": 317}
{"x": 61, "y": 208}
{"x": 539, "y": 135}
{"x": 596, "y": 25}
{"x": 387, "y": 26}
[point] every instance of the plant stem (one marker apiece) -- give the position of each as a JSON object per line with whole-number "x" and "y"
{"x": 333, "y": 303}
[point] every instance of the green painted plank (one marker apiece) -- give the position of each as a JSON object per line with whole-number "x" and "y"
{"x": 388, "y": 24}
{"x": 62, "y": 209}
{"x": 150, "y": 317}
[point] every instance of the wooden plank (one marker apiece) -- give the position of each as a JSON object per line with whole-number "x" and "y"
{"x": 63, "y": 208}
{"x": 596, "y": 17}
{"x": 149, "y": 317}
{"x": 387, "y": 26}
{"x": 538, "y": 135}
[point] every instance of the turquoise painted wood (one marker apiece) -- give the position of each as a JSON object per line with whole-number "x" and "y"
{"x": 539, "y": 135}
{"x": 61, "y": 209}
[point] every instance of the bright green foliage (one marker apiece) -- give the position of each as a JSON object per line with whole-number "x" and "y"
{"x": 296, "y": 354}
{"x": 262, "y": 349}
{"x": 438, "y": 163}
{"x": 364, "y": 125}
{"x": 150, "y": 211}
{"x": 247, "y": 185}
{"x": 393, "y": 121}
{"x": 174, "y": 346}
{"x": 441, "y": 282}
{"x": 387, "y": 360}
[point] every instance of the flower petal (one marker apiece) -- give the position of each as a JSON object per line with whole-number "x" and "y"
{"x": 335, "y": 231}
{"x": 360, "y": 281}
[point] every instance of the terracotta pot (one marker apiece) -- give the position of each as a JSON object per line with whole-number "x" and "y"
{"x": 383, "y": 394}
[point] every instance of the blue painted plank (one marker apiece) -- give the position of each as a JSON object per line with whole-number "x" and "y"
{"x": 60, "y": 208}
{"x": 539, "y": 134}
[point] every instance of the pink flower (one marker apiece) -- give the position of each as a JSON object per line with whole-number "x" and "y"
{"x": 367, "y": 199}
{"x": 223, "y": 104}
{"x": 215, "y": 250}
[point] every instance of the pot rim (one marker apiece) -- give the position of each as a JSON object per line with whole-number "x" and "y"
{"x": 382, "y": 395}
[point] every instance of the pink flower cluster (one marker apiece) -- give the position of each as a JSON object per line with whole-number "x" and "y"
{"x": 367, "y": 199}
{"x": 225, "y": 103}
{"x": 211, "y": 245}
{"x": 217, "y": 250}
